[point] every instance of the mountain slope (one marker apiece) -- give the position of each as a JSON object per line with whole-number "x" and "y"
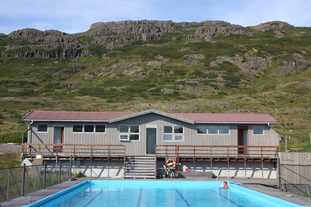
{"x": 210, "y": 66}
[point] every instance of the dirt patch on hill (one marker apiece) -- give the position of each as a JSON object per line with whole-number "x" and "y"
{"x": 10, "y": 148}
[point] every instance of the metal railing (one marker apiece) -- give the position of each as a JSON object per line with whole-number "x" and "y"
{"x": 293, "y": 180}
{"x": 20, "y": 181}
{"x": 83, "y": 150}
{"x": 210, "y": 151}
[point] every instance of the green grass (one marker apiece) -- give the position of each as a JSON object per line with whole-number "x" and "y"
{"x": 116, "y": 83}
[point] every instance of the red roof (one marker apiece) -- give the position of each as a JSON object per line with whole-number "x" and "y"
{"x": 106, "y": 116}
{"x": 225, "y": 118}
{"x": 73, "y": 116}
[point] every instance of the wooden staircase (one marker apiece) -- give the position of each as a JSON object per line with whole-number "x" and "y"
{"x": 140, "y": 167}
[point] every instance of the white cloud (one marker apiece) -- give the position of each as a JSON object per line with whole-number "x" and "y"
{"x": 43, "y": 25}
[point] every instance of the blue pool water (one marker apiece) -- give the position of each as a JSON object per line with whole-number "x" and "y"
{"x": 158, "y": 194}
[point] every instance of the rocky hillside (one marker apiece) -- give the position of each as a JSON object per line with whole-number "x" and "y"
{"x": 210, "y": 66}
{"x": 56, "y": 44}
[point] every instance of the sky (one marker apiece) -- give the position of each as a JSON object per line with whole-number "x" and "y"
{"x": 74, "y": 16}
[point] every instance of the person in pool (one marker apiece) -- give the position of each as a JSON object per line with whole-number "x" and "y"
{"x": 225, "y": 185}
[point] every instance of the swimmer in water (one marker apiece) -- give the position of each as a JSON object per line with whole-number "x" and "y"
{"x": 225, "y": 185}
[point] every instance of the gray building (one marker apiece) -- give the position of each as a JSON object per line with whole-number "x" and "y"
{"x": 215, "y": 139}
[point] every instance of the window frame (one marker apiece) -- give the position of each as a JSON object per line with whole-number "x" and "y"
{"x": 73, "y": 128}
{"x": 173, "y": 134}
{"x": 129, "y": 132}
{"x": 216, "y": 128}
{"x": 83, "y": 128}
{"x": 100, "y": 125}
{"x": 204, "y": 133}
{"x": 47, "y": 128}
{"x": 256, "y": 134}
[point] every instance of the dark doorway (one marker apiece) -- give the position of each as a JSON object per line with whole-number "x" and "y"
{"x": 58, "y": 138}
{"x": 242, "y": 139}
{"x": 151, "y": 140}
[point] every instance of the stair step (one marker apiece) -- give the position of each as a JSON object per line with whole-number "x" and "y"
{"x": 141, "y": 176}
{"x": 139, "y": 171}
{"x": 139, "y": 165}
{"x": 142, "y": 167}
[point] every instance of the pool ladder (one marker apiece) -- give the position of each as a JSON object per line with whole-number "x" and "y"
{"x": 220, "y": 169}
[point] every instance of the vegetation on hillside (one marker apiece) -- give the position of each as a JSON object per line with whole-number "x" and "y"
{"x": 267, "y": 72}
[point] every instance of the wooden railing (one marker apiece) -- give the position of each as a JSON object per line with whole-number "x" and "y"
{"x": 209, "y": 151}
{"x": 84, "y": 150}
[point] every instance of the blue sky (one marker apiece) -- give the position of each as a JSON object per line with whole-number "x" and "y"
{"x": 73, "y": 16}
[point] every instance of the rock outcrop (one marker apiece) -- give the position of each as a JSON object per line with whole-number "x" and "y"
{"x": 290, "y": 66}
{"x": 278, "y": 25}
{"x": 57, "y": 44}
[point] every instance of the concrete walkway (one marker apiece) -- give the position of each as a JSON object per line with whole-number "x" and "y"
{"x": 261, "y": 185}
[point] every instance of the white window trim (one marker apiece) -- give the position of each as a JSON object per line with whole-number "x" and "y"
{"x": 129, "y": 133}
{"x": 83, "y": 130}
{"x": 174, "y": 134}
{"x": 202, "y": 133}
{"x": 78, "y": 132}
{"x": 207, "y": 130}
{"x": 224, "y": 126}
{"x": 263, "y": 131}
{"x": 100, "y": 132}
{"x": 94, "y": 129}
{"x": 47, "y": 128}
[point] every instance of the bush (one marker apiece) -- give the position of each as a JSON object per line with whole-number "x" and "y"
{"x": 78, "y": 175}
{"x": 12, "y": 138}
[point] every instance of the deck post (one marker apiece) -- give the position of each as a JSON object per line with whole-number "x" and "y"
{"x": 70, "y": 167}
{"x": 261, "y": 163}
{"x": 108, "y": 160}
{"x": 279, "y": 172}
{"x": 177, "y": 161}
{"x": 194, "y": 159}
{"x": 44, "y": 176}
{"x": 91, "y": 159}
{"x": 245, "y": 166}
{"x": 211, "y": 159}
{"x": 59, "y": 171}
{"x": 23, "y": 180}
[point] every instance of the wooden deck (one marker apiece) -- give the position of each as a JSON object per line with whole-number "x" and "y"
{"x": 208, "y": 152}
{"x": 74, "y": 151}
{"x": 181, "y": 152}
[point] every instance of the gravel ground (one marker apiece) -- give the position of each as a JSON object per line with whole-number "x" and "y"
{"x": 10, "y": 148}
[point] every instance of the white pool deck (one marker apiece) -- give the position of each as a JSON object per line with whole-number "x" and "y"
{"x": 267, "y": 186}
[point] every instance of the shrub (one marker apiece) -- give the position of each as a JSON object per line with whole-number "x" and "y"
{"x": 12, "y": 138}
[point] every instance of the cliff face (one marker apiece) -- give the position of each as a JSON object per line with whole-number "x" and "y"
{"x": 104, "y": 37}
{"x": 56, "y": 44}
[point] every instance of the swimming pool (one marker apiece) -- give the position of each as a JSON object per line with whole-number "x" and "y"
{"x": 157, "y": 193}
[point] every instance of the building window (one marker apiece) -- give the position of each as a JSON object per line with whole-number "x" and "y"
{"x": 213, "y": 129}
{"x": 42, "y": 128}
{"x": 201, "y": 130}
{"x": 128, "y": 133}
{"x": 258, "y": 130}
{"x": 77, "y": 128}
{"x": 173, "y": 133}
{"x": 88, "y": 128}
{"x": 100, "y": 128}
{"x": 223, "y": 130}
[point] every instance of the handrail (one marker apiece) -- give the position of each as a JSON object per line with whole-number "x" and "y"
{"x": 220, "y": 169}
{"x": 293, "y": 182}
{"x": 216, "y": 151}
{"x": 74, "y": 149}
